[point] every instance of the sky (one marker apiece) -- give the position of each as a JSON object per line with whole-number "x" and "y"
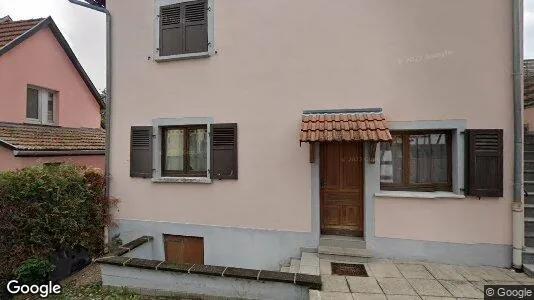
{"x": 85, "y": 30}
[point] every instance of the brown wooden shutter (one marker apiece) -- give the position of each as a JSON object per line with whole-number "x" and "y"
{"x": 141, "y": 151}
{"x": 484, "y": 165}
{"x": 196, "y": 26}
{"x": 171, "y": 30}
{"x": 224, "y": 151}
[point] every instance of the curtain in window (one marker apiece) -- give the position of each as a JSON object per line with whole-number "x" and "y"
{"x": 174, "y": 150}
{"x": 198, "y": 150}
{"x": 391, "y": 161}
{"x": 428, "y": 158}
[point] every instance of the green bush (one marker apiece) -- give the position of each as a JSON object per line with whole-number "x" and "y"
{"x": 34, "y": 271}
{"x": 43, "y": 208}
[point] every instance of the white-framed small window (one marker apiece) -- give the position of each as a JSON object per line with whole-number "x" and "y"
{"x": 41, "y": 105}
{"x": 183, "y": 29}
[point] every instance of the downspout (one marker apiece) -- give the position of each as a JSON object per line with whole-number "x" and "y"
{"x": 108, "y": 98}
{"x": 517, "y": 204}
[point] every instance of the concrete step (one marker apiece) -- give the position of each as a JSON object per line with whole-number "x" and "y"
{"x": 294, "y": 267}
{"x": 528, "y": 147}
{"x": 345, "y": 259}
{"x": 529, "y": 187}
{"x": 284, "y": 269}
{"x": 333, "y": 250}
{"x": 529, "y": 239}
{"x": 342, "y": 241}
{"x": 528, "y": 164}
{"x": 530, "y": 198}
{"x": 309, "y": 263}
{"x": 529, "y": 175}
{"x": 528, "y": 255}
{"x": 528, "y": 269}
{"x": 529, "y": 224}
{"x": 529, "y": 210}
{"x": 528, "y": 155}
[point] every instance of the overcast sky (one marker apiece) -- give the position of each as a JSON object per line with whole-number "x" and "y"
{"x": 85, "y": 30}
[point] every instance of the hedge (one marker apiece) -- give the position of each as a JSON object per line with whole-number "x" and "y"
{"x": 44, "y": 208}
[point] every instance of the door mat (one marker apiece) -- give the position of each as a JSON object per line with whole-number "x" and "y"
{"x": 349, "y": 269}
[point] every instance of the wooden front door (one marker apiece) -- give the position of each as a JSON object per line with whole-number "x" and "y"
{"x": 184, "y": 249}
{"x": 342, "y": 188}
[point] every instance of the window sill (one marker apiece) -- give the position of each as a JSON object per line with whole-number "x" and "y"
{"x": 158, "y": 58}
{"x": 181, "y": 180}
{"x": 419, "y": 195}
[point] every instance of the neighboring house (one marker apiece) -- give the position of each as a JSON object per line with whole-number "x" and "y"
{"x": 529, "y": 94}
{"x": 243, "y": 131}
{"x": 50, "y": 109}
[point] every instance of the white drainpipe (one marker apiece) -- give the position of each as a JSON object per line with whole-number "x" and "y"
{"x": 518, "y": 225}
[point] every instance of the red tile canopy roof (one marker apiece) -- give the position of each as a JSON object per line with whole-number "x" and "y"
{"x": 10, "y": 30}
{"x": 337, "y": 126}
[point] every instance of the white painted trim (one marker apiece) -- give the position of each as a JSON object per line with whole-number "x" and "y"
{"x": 182, "y": 180}
{"x": 211, "y": 33}
{"x": 419, "y": 195}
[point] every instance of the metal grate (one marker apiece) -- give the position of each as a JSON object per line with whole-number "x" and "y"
{"x": 349, "y": 269}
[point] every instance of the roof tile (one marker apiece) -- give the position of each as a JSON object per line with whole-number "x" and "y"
{"x": 344, "y": 127}
{"x": 51, "y": 138}
{"x": 11, "y": 30}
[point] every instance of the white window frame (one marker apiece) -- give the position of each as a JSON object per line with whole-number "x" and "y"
{"x": 157, "y": 128}
{"x": 211, "y": 42}
{"x": 43, "y": 106}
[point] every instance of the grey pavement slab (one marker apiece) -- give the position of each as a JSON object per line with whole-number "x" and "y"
{"x": 403, "y": 297}
{"x": 335, "y": 296}
{"x": 332, "y": 283}
{"x": 379, "y": 269}
{"x": 364, "y": 285}
{"x": 446, "y": 272}
{"x": 395, "y": 286}
{"x": 360, "y": 296}
{"x": 429, "y": 287}
{"x": 462, "y": 289}
{"x": 414, "y": 271}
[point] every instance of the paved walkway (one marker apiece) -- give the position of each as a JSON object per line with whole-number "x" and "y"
{"x": 405, "y": 280}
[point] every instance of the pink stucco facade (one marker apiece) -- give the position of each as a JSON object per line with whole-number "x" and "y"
{"x": 9, "y": 162}
{"x": 41, "y": 61}
{"x": 419, "y": 60}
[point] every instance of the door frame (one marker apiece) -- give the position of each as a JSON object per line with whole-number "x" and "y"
{"x": 363, "y": 149}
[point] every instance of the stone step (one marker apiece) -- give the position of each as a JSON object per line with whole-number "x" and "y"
{"x": 528, "y": 147}
{"x": 284, "y": 269}
{"x": 529, "y": 210}
{"x": 529, "y": 239}
{"x": 529, "y": 187}
{"x": 294, "y": 267}
{"x": 529, "y": 224}
{"x": 342, "y": 241}
{"x": 345, "y": 259}
{"x": 333, "y": 250}
{"x": 528, "y": 164}
{"x": 528, "y": 269}
{"x": 529, "y": 175}
{"x": 528, "y": 155}
{"x": 309, "y": 263}
{"x": 528, "y": 255}
{"x": 530, "y": 198}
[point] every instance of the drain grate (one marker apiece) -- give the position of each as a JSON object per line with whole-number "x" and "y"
{"x": 349, "y": 269}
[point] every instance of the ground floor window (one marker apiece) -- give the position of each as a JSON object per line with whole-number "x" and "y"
{"x": 417, "y": 160}
{"x": 184, "y": 151}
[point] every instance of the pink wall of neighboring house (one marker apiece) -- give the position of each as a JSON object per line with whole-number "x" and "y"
{"x": 9, "y": 162}
{"x": 41, "y": 61}
{"x": 417, "y": 59}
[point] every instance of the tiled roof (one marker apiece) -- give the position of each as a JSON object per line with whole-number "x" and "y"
{"x": 330, "y": 127}
{"x": 11, "y": 30}
{"x": 51, "y": 138}
{"x": 529, "y": 81}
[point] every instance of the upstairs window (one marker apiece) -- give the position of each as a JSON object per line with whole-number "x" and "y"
{"x": 41, "y": 106}
{"x": 417, "y": 160}
{"x": 184, "y": 29}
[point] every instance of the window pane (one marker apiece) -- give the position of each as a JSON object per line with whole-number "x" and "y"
{"x": 32, "y": 104}
{"x": 198, "y": 149}
{"x": 50, "y": 107}
{"x": 420, "y": 158}
{"x": 391, "y": 161}
{"x": 439, "y": 157}
{"x": 174, "y": 150}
